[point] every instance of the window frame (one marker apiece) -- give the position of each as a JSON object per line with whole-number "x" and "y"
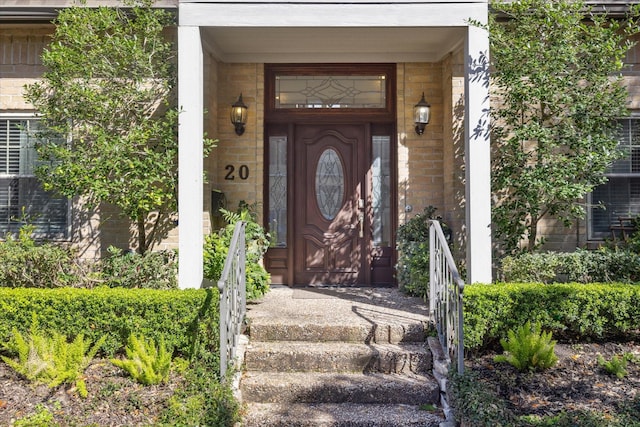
{"x": 66, "y": 236}
{"x": 611, "y": 174}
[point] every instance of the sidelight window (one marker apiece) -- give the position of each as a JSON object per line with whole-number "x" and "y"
{"x": 278, "y": 191}
{"x": 381, "y": 190}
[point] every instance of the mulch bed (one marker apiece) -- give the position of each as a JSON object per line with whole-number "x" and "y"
{"x": 576, "y": 383}
{"x": 114, "y": 398}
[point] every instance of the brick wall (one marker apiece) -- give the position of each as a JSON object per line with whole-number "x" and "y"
{"x": 234, "y": 152}
{"x": 20, "y": 50}
{"x": 420, "y": 157}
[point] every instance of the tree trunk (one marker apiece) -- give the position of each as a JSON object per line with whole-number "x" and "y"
{"x": 142, "y": 235}
{"x": 533, "y": 234}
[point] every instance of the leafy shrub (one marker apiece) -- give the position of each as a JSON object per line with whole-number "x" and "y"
{"x": 617, "y": 366}
{"x": 582, "y": 266}
{"x": 571, "y": 311}
{"x": 187, "y": 319}
{"x": 528, "y": 348}
{"x": 476, "y": 404}
{"x": 412, "y": 241}
{"x": 153, "y": 270}
{"x": 42, "y": 417}
{"x": 217, "y": 245}
{"x": 50, "y": 358}
{"x": 147, "y": 362}
{"x": 26, "y": 263}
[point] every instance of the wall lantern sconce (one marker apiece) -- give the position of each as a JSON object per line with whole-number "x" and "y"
{"x": 421, "y": 115}
{"x": 239, "y": 115}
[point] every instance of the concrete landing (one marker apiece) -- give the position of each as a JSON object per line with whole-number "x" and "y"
{"x": 362, "y": 315}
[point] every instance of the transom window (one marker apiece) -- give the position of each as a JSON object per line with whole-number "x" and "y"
{"x": 620, "y": 195}
{"x": 326, "y": 91}
{"x": 21, "y": 195}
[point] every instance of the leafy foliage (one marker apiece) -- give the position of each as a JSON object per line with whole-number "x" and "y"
{"x": 185, "y": 318}
{"x": 216, "y": 247}
{"x": 558, "y": 90}
{"x": 152, "y": 270}
{"x": 528, "y": 348}
{"x": 412, "y": 240}
{"x": 571, "y": 311}
{"x": 476, "y": 404}
{"x": 479, "y": 405}
{"x": 26, "y": 263}
{"x": 50, "y": 358}
{"x": 41, "y": 418}
{"x": 583, "y": 266}
{"x": 147, "y": 362}
{"x": 617, "y": 365}
{"x": 108, "y": 85}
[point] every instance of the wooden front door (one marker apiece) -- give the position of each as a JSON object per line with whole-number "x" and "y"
{"x": 329, "y": 205}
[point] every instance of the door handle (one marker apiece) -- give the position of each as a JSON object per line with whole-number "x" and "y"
{"x": 361, "y": 221}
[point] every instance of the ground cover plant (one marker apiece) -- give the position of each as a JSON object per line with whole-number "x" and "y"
{"x": 576, "y": 392}
{"x": 191, "y": 393}
{"x": 595, "y": 381}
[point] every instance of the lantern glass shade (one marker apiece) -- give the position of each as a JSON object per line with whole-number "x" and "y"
{"x": 239, "y": 115}
{"x": 421, "y": 112}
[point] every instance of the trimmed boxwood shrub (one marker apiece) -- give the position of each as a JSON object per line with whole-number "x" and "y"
{"x": 187, "y": 319}
{"x": 571, "y": 311}
{"x": 583, "y": 266}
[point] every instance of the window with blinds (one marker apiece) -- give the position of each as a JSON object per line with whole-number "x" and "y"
{"x": 21, "y": 195}
{"x": 619, "y": 197}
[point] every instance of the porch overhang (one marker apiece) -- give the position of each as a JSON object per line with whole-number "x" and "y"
{"x": 331, "y": 31}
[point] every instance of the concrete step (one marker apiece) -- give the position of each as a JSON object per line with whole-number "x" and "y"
{"x": 338, "y": 357}
{"x": 368, "y": 333}
{"x": 296, "y": 387}
{"x": 339, "y": 415}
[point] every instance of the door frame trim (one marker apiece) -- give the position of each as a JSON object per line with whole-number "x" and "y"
{"x": 283, "y": 122}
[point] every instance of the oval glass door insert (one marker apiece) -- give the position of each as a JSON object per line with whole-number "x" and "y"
{"x": 329, "y": 183}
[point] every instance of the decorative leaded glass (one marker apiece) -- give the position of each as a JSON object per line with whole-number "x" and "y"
{"x": 330, "y": 91}
{"x": 329, "y": 183}
{"x": 278, "y": 191}
{"x": 381, "y": 190}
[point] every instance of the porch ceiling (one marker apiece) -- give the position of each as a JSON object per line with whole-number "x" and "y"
{"x": 331, "y": 44}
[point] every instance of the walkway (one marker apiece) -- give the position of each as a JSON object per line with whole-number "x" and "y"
{"x": 338, "y": 357}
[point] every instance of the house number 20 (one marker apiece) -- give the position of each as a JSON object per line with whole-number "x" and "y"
{"x": 243, "y": 172}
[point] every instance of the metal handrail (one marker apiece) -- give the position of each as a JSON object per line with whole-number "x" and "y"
{"x": 233, "y": 298}
{"x": 446, "y": 289}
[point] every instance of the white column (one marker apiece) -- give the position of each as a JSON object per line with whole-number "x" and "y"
{"x": 190, "y": 157}
{"x": 477, "y": 156}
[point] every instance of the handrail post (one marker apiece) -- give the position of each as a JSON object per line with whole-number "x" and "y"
{"x": 446, "y": 290}
{"x": 233, "y": 295}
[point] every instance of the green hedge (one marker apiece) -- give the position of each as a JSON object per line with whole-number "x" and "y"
{"x": 187, "y": 319}
{"x": 572, "y": 311}
{"x": 583, "y": 266}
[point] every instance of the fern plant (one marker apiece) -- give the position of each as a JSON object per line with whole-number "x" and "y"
{"x": 528, "y": 348}
{"x": 617, "y": 365}
{"x": 51, "y": 359}
{"x": 147, "y": 362}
